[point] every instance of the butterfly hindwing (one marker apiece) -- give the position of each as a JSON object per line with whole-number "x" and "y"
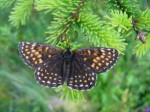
{"x": 35, "y": 54}
{"x": 50, "y": 74}
{"x": 98, "y": 59}
{"x": 81, "y": 76}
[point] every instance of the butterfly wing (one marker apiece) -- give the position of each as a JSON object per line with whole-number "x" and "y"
{"x": 35, "y": 54}
{"x": 50, "y": 74}
{"x": 98, "y": 59}
{"x": 81, "y": 76}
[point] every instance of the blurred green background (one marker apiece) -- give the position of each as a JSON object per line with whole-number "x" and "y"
{"x": 125, "y": 88}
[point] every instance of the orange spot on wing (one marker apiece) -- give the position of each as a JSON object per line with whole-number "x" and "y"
{"x": 95, "y": 52}
{"x": 46, "y": 49}
{"x": 98, "y": 58}
{"x": 89, "y": 52}
{"x": 94, "y": 60}
{"x": 36, "y": 53}
{"x": 40, "y": 49}
{"x": 39, "y": 56}
{"x": 107, "y": 59}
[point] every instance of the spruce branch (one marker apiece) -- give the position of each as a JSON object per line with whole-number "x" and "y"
{"x": 6, "y": 3}
{"x": 100, "y": 34}
{"x": 63, "y": 20}
{"x": 143, "y": 21}
{"x": 21, "y": 12}
{"x": 140, "y": 24}
{"x": 131, "y": 7}
{"x": 48, "y": 5}
{"x": 119, "y": 20}
{"x": 142, "y": 49}
{"x": 70, "y": 94}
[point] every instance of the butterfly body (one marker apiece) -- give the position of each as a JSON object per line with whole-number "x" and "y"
{"x": 67, "y": 59}
{"x": 54, "y": 66}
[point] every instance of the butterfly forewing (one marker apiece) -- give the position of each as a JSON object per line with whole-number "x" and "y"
{"x": 50, "y": 74}
{"x": 81, "y": 76}
{"x": 35, "y": 54}
{"x": 98, "y": 59}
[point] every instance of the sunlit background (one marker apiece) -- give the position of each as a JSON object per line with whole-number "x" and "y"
{"x": 125, "y": 88}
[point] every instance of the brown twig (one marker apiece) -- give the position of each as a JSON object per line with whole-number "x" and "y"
{"x": 140, "y": 34}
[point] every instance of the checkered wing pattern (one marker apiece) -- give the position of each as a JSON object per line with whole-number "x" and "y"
{"x": 81, "y": 77}
{"x": 49, "y": 74}
{"x": 97, "y": 59}
{"x": 87, "y": 63}
{"x": 35, "y": 54}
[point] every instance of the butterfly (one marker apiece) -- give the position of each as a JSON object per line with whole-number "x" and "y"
{"x": 55, "y": 66}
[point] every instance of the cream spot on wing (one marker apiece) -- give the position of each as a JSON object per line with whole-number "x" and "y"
{"x": 107, "y": 64}
{"x": 99, "y": 64}
{"x": 49, "y": 56}
{"x": 102, "y": 50}
{"x": 93, "y": 65}
{"x": 97, "y": 67}
{"x": 48, "y": 82}
{"x": 81, "y": 85}
{"x": 94, "y": 60}
{"x": 102, "y": 56}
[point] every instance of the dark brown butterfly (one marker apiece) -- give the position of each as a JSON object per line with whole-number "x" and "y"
{"x": 54, "y": 66}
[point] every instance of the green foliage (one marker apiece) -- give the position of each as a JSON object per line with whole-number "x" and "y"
{"x": 142, "y": 49}
{"x": 70, "y": 94}
{"x": 62, "y": 20}
{"x": 119, "y": 20}
{"x": 144, "y": 20}
{"x": 48, "y": 5}
{"x": 104, "y": 35}
{"x": 78, "y": 23}
{"x": 21, "y": 12}
{"x": 6, "y": 3}
{"x": 131, "y": 7}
